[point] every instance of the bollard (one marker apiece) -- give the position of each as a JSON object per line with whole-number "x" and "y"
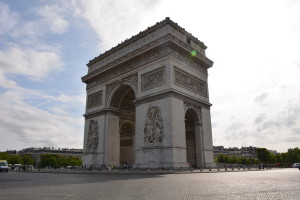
{"x": 209, "y": 168}
{"x": 225, "y": 168}
{"x": 239, "y": 167}
{"x": 232, "y": 168}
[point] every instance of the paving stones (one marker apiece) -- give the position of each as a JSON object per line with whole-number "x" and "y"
{"x": 271, "y": 184}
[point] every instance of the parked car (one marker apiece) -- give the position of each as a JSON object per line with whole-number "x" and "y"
{"x": 4, "y": 166}
{"x": 296, "y": 165}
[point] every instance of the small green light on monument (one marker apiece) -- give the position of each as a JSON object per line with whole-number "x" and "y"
{"x": 194, "y": 53}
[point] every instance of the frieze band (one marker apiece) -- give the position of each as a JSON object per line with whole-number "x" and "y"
{"x": 168, "y": 48}
{"x": 153, "y": 79}
{"x": 94, "y": 100}
{"x": 190, "y": 82}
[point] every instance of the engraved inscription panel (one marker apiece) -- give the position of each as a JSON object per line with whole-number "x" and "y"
{"x": 153, "y": 79}
{"x": 94, "y": 100}
{"x": 190, "y": 82}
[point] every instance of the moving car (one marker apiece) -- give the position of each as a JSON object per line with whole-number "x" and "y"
{"x": 4, "y": 166}
{"x": 296, "y": 165}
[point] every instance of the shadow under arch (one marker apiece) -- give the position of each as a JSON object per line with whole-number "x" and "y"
{"x": 121, "y": 101}
{"x": 193, "y": 137}
{"x": 119, "y": 92}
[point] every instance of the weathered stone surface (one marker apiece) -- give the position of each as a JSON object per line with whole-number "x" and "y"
{"x": 153, "y": 82}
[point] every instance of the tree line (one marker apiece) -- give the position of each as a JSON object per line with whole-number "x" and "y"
{"x": 264, "y": 156}
{"x": 51, "y": 160}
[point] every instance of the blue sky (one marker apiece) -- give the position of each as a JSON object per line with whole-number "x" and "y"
{"x": 45, "y": 45}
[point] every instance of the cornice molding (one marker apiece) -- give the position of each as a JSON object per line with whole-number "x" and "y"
{"x": 158, "y": 25}
{"x": 169, "y": 47}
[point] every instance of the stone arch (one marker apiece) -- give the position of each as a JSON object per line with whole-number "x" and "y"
{"x": 193, "y": 137}
{"x": 195, "y": 111}
{"x": 117, "y": 88}
{"x": 121, "y": 103}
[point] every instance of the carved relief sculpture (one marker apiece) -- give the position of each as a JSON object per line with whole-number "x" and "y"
{"x": 154, "y": 130}
{"x": 190, "y": 82}
{"x": 153, "y": 79}
{"x": 93, "y": 138}
{"x": 94, "y": 100}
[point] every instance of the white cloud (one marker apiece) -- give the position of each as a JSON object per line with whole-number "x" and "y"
{"x": 31, "y": 117}
{"x": 46, "y": 19}
{"x": 115, "y": 21}
{"x": 52, "y": 19}
{"x": 254, "y": 84}
{"x": 8, "y": 19}
{"x": 35, "y": 127}
{"x": 33, "y": 63}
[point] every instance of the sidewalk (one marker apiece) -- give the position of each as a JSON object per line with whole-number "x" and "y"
{"x": 146, "y": 171}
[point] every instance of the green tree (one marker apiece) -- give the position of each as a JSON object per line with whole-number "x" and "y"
{"x": 293, "y": 155}
{"x": 62, "y": 161}
{"x": 263, "y": 155}
{"x": 278, "y": 158}
{"x": 243, "y": 160}
{"x": 220, "y": 158}
{"x": 4, "y": 156}
{"x": 27, "y": 159}
{"x": 14, "y": 159}
{"x": 74, "y": 161}
{"x": 52, "y": 162}
{"x": 55, "y": 160}
{"x": 232, "y": 160}
{"x": 49, "y": 160}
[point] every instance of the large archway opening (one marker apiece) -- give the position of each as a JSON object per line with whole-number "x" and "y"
{"x": 126, "y": 144}
{"x": 190, "y": 135}
{"x": 123, "y": 100}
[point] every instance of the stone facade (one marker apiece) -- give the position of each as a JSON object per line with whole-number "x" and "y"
{"x": 148, "y": 102}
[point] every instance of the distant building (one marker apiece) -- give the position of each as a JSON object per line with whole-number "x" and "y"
{"x": 11, "y": 151}
{"x": 249, "y": 152}
{"x": 36, "y": 152}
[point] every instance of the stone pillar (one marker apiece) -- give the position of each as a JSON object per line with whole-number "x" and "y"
{"x": 94, "y": 157}
{"x": 112, "y": 140}
{"x": 207, "y": 138}
{"x": 171, "y": 150}
{"x": 199, "y": 145}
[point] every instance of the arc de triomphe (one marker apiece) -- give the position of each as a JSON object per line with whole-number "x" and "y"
{"x": 148, "y": 103}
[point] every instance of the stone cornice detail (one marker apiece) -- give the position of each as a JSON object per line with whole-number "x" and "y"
{"x": 160, "y": 51}
{"x": 172, "y": 93}
{"x": 105, "y": 110}
{"x": 151, "y": 33}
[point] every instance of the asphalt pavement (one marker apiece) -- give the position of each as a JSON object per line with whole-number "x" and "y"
{"x": 267, "y": 184}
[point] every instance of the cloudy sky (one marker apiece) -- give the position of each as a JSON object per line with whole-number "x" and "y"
{"x": 254, "y": 83}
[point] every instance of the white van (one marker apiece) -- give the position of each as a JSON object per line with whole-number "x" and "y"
{"x": 4, "y": 166}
